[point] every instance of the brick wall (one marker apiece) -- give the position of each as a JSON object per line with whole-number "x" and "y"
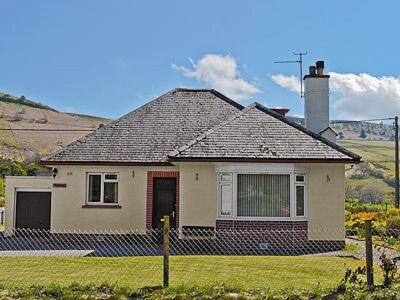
{"x": 260, "y": 225}
{"x": 149, "y": 202}
{"x": 276, "y": 237}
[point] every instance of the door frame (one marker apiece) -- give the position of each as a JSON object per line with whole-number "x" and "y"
{"x": 172, "y": 221}
{"x": 16, "y": 190}
{"x": 149, "y": 202}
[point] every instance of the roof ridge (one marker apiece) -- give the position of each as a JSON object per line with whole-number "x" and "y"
{"x": 307, "y": 131}
{"x": 211, "y": 130}
{"x": 214, "y": 92}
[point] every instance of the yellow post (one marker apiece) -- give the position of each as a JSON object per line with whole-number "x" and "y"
{"x": 166, "y": 250}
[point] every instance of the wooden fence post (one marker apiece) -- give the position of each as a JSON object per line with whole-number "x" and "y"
{"x": 166, "y": 250}
{"x": 368, "y": 253}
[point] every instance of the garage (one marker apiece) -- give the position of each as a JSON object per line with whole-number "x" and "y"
{"x": 33, "y": 210}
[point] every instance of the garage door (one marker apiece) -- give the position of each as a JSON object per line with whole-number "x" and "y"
{"x": 33, "y": 210}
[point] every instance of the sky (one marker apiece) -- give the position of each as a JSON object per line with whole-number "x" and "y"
{"x": 106, "y": 58}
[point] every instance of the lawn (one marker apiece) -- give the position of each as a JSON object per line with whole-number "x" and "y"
{"x": 274, "y": 272}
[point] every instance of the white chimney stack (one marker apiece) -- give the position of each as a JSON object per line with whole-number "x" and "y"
{"x": 316, "y": 102}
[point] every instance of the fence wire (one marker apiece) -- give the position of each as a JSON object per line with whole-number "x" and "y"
{"x": 274, "y": 259}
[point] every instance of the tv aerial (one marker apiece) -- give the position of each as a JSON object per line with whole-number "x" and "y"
{"x": 300, "y": 62}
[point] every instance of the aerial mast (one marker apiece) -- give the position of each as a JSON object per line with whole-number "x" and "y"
{"x": 300, "y": 62}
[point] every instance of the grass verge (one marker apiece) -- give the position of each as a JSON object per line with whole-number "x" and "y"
{"x": 104, "y": 291}
{"x": 255, "y": 272}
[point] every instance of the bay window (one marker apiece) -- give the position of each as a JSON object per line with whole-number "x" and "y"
{"x": 102, "y": 188}
{"x": 261, "y": 195}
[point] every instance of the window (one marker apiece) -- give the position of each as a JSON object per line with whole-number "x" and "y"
{"x": 225, "y": 196}
{"x": 263, "y": 195}
{"x": 300, "y": 195}
{"x": 102, "y": 188}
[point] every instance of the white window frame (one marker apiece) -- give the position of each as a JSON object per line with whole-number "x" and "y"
{"x": 304, "y": 184}
{"x": 103, "y": 180}
{"x": 292, "y": 172}
{"x": 220, "y": 184}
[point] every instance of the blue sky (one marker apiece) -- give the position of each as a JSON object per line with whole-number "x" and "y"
{"x": 107, "y": 57}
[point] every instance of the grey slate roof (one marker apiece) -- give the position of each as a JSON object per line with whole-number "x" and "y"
{"x": 149, "y": 133}
{"x": 261, "y": 134}
{"x": 187, "y": 124}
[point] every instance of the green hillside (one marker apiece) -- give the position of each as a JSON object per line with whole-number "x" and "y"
{"x": 21, "y": 113}
{"x": 23, "y": 101}
{"x": 377, "y": 169}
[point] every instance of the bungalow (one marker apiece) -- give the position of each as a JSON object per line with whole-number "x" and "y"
{"x": 203, "y": 159}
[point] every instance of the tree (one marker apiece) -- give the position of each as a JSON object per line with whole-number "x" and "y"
{"x": 362, "y": 133}
{"x": 350, "y": 192}
{"x": 371, "y": 193}
{"x": 32, "y": 169}
{"x": 341, "y": 135}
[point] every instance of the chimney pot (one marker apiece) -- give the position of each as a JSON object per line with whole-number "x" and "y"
{"x": 320, "y": 67}
{"x": 311, "y": 70}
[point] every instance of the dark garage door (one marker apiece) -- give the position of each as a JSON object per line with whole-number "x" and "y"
{"x": 33, "y": 210}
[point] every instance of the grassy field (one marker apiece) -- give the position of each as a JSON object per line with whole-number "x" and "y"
{"x": 379, "y": 152}
{"x": 262, "y": 272}
{"x": 381, "y": 155}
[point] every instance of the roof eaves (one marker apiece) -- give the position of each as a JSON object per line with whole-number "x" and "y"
{"x": 270, "y": 160}
{"x": 102, "y": 163}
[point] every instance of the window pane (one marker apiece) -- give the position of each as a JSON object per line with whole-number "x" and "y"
{"x": 110, "y": 192}
{"x": 111, "y": 176}
{"x": 299, "y": 178}
{"x": 226, "y": 207}
{"x": 263, "y": 195}
{"x": 299, "y": 200}
{"x": 94, "y": 188}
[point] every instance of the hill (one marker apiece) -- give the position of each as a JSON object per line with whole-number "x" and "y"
{"x": 352, "y": 130}
{"x": 21, "y": 113}
{"x": 377, "y": 170}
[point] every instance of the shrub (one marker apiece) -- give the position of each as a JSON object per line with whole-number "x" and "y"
{"x": 355, "y": 222}
{"x": 351, "y": 192}
{"x": 361, "y": 233}
{"x": 389, "y": 269}
{"x": 371, "y": 194}
{"x": 391, "y": 240}
{"x": 393, "y": 225}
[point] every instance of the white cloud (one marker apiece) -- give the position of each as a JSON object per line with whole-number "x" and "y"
{"x": 364, "y": 96}
{"x": 291, "y": 83}
{"x": 220, "y": 73}
{"x": 360, "y": 96}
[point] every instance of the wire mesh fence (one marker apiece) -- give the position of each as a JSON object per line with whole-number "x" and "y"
{"x": 262, "y": 258}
